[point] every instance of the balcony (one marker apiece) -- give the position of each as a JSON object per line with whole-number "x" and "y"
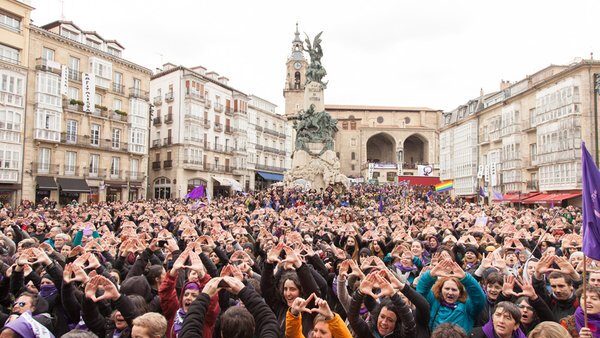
{"x": 116, "y": 175}
{"x": 139, "y": 93}
{"x": 167, "y": 141}
{"x": 258, "y": 147}
{"x": 229, "y": 111}
{"x": 206, "y": 124}
{"x": 47, "y": 135}
{"x": 44, "y": 168}
{"x": 135, "y": 176}
{"x": 218, "y": 168}
{"x": 74, "y": 75}
{"x": 484, "y": 139}
{"x": 48, "y": 66}
{"x": 118, "y": 88}
{"x": 207, "y": 104}
{"x": 218, "y": 127}
{"x": 218, "y": 107}
{"x": 156, "y": 165}
{"x": 269, "y": 168}
{"x": 168, "y": 164}
{"x": 169, "y": 97}
{"x": 156, "y": 121}
{"x": 94, "y": 172}
{"x": 228, "y": 129}
{"x": 9, "y": 175}
{"x": 157, "y": 100}
{"x": 118, "y": 115}
{"x": 271, "y": 150}
{"x": 169, "y": 118}
{"x": 155, "y": 143}
{"x": 70, "y": 170}
{"x": 84, "y": 141}
{"x": 11, "y": 99}
{"x": 271, "y": 132}
{"x": 192, "y": 139}
{"x": 191, "y": 94}
{"x": 193, "y": 164}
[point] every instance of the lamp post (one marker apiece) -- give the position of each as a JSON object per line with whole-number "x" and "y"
{"x": 148, "y": 166}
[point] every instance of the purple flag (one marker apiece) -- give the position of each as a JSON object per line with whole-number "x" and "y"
{"x": 196, "y": 193}
{"x": 481, "y": 192}
{"x": 591, "y": 205}
{"x": 380, "y": 203}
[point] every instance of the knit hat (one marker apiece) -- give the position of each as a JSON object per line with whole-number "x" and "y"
{"x": 137, "y": 285}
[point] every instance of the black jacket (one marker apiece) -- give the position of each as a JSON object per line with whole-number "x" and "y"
{"x": 405, "y": 324}
{"x": 266, "y": 323}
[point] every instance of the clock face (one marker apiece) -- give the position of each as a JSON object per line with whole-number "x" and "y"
{"x": 297, "y": 65}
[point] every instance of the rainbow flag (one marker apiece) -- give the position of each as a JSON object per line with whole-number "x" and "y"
{"x": 443, "y": 186}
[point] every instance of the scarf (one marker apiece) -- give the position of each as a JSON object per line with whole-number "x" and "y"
{"x": 488, "y": 330}
{"x": 448, "y": 305}
{"x": 178, "y": 321}
{"x": 47, "y": 291}
{"x": 404, "y": 269}
{"x": 593, "y": 322}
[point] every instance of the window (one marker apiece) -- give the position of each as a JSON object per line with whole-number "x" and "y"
{"x": 44, "y": 160}
{"x": 9, "y": 159}
{"x": 114, "y": 51}
{"x": 98, "y": 99}
{"x": 47, "y": 90}
{"x": 71, "y": 131}
{"x": 117, "y": 104}
{"x": 73, "y": 93}
{"x": 353, "y": 142}
{"x": 95, "y": 135}
{"x": 345, "y": 125}
{"x": 9, "y": 54}
{"x": 93, "y": 43}
{"x": 137, "y": 83}
{"x": 70, "y": 162}
{"x": 118, "y": 78}
{"x": 134, "y": 168}
{"x": 353, "y": 167}
{"x": 10, "y": 22}
{"x": 352, "y": 125}
{"x": 380, "y": 119}
{"x": 353, "y": 156}
{"x": 114, "y": 166}
{"x": 74, "y": 63}
{"x": 10, "y": 120}
{"x": 116, "y": 138}
{"x": 69, "y": 34}
{"x": 94, "y": 163}
{"x": 48, "y": 54}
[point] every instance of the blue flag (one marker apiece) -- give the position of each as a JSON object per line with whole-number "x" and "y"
{"x": 591, "y": 205}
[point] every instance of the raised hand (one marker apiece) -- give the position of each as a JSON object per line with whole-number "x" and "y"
{"x": 179, "y": 263}
{"x": 344, "y": 268}
{"x": 196, "y": 264}
{"x": 110, "y": 290}
{"x": 300, "y": 305}
{"x": 292, "y": 257}
{"x": 508, "y": 286}
{"x": 368, "y": 284}
{"x": 273, "y": 254}
{"x": 457, "y": 271}
{"x": 396, "y": 283}
{"x": 356, "y": 271}
{"x": 235, "y": 285}
{"x": 528, "y": 290}
{"x": 385, "y": 286}
{"x": 212, "y": 287}
{"x": 322, "y": 308}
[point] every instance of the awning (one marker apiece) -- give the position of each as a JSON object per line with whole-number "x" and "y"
{"x": 229, "y": 182}
{"x": 45, "y": 183}
{"x": 115, "y": 184}
{"x": 133, "y": 184}
{"x": 73, "y": 185}
{"x": 551, "y": 198}
{"x": 270, "y": 176}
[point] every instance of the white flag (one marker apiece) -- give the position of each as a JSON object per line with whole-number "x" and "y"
{"x": 64, "y": 80}
{"x": 89, "y": 92}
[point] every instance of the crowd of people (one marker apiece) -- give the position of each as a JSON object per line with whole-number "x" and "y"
{"x": 373, "y": 261}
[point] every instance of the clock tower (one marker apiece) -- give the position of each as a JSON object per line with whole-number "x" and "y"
{"x": 296, "y": 64}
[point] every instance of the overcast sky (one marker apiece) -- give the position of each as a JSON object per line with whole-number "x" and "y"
{"x": 436, "y": 54}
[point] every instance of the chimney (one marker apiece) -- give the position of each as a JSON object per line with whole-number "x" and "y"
{"x": 223, "y": 80}
{"x": 504, "y": 84}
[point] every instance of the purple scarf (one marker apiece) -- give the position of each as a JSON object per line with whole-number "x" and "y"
{"x": 488, "y": 330}
{"x": 593, "y": 322}
{"x": 178, "y": 321}
{"x": 47, "y": 291}
{"x": 404, "y": 269}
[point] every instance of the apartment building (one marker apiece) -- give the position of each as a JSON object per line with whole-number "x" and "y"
{"x": 269, "y": 143}
{"x": 14, "y": 48}
{"x": 529, "y": 133}
{"x": 87, "y": 118}
{"x": 199, "y": 133}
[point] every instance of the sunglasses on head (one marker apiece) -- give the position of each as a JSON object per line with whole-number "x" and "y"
{"x": 19, "y": 304}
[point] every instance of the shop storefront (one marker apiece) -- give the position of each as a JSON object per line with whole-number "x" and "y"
{"x": 71, "y": 190}
{"x": 225, "y": 186}
{"x": 114, "y": 190}
{"x": 162, "y": 188}
{"x": 8, "y": 193}
{"x": 44, "y": 187}
{"x": 134, "y": 191}
{"x": 264, "y": 179}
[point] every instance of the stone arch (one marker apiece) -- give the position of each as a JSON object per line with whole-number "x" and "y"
{"x": 416, "y": 149}
{"x": 381, "y": 147}
{"x": 162, "y": 188}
